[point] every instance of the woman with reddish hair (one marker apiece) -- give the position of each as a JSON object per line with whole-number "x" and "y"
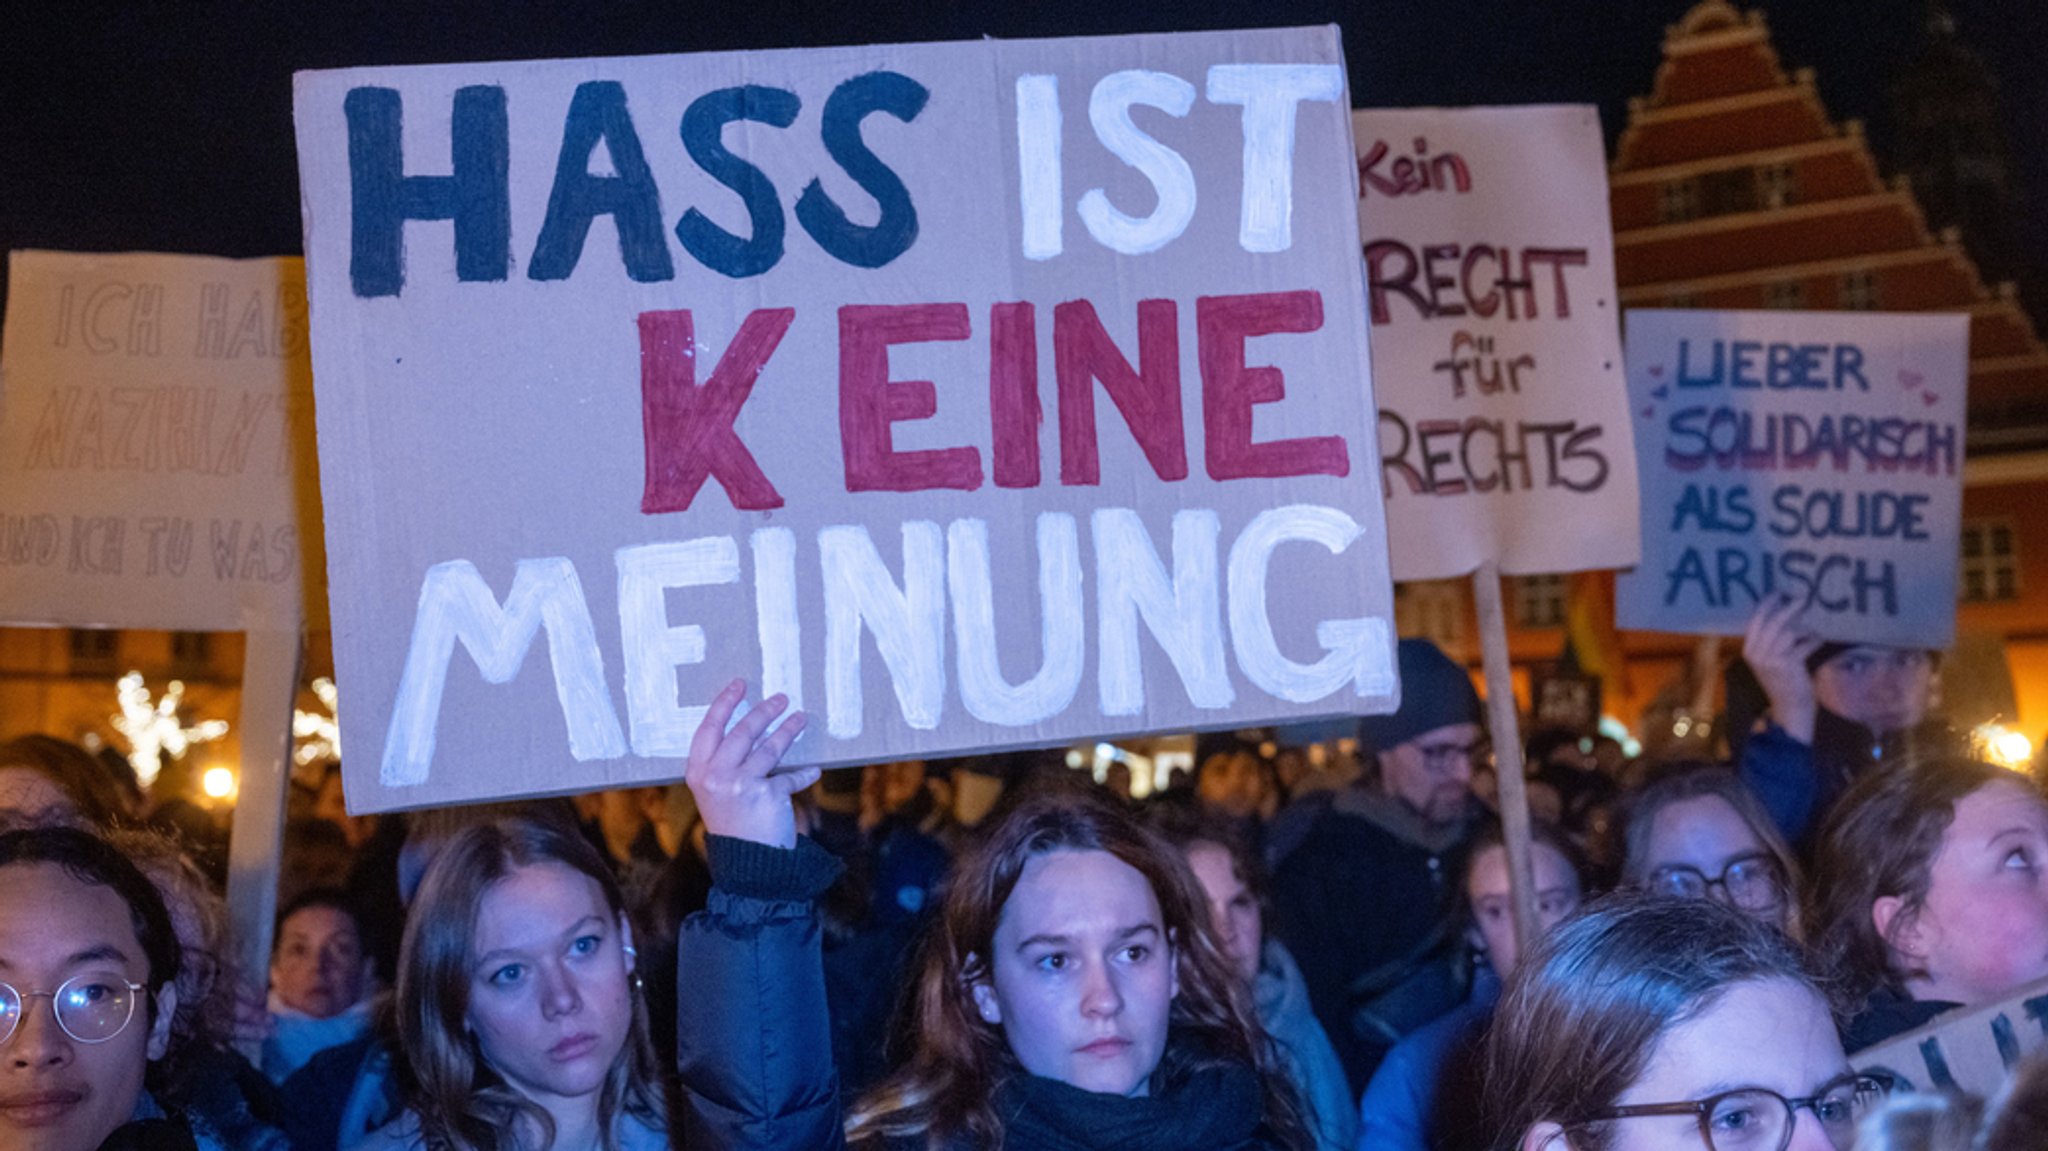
{"x": 1070, "y": 994}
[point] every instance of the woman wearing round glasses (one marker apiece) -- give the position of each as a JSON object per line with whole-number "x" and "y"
{"x": 88, "y": 964}
{"x": 1698, "y": 833}
{"x": 1657, "y": 1024}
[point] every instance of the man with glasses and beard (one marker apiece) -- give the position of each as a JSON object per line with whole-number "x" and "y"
{"x": 1359, "y": 878}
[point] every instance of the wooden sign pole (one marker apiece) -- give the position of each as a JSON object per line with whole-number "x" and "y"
{"x": 270, "y": 683}
{"x": 1506, "y": 730}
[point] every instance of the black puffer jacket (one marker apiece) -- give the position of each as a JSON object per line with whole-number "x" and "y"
{"x": 754, "y": 1042}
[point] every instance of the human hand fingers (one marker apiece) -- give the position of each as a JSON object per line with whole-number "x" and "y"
{"x": 791, "y": 782}
{"x": 711, "y": 732}
{"x": 739, "y": 751}
{"x": 764, "y": 754}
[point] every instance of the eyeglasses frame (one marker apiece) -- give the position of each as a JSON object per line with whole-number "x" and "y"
{"x": 136, "y": 990}
{"x": 1779, "y": 880}
{"x": 1703, "y": 1109}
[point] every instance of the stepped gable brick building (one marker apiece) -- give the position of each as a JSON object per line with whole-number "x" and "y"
{"x": 1732, "y": 188}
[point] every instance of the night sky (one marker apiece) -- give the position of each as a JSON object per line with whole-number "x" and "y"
{"x": 166, "y": 126}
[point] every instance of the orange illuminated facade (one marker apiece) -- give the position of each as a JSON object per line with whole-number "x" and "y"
{"x": 1732, "y": 188}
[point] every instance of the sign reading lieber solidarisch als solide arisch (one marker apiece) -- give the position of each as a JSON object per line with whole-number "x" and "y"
{"x": 975, "y": 395}
{"x": 1813, "y": 455}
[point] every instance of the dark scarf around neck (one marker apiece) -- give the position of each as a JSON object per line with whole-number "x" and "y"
{"x": 1217, "y": 1109}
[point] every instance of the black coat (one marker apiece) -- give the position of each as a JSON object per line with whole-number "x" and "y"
{"x": 1359, "y": 898}
{"x": 754, "y": 1041}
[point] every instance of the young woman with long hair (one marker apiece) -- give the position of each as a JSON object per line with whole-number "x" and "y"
{"x": 1931, "y": 891}
{"x": 518, "y": 1008}
{"x": 1070, "y": 994}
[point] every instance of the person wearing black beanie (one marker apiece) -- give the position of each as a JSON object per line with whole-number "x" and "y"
{"x": 1359, "y": 877}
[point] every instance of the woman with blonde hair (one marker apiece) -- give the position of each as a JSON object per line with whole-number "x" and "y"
{"x": 519, "y": 1011}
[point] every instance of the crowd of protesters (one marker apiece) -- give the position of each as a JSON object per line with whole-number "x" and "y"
{"x": 1275, "y": 950}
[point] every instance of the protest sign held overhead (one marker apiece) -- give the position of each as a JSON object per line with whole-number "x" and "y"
{"x": 1497, "y": 362}
{"x": 974, "y": 395}
{"x": 156, "y": 444}
{"x": 1815, "y": 455}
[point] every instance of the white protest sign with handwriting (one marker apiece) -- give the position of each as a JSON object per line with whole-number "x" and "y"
{"x": 156, "y": 443}
{"x": 975, "y": 395}
{"x": 1970, "y": 1049}
{"x": 1503, "y": 417}
{"x": 1816, "y": 455}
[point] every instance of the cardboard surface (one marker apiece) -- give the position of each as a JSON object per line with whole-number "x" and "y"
{"x": 156, "y": 443}
{"x": 1813, "y": 454}
{"x": 1503, "y": 417}
{"x": 977, "y": 395}
{"x": 1972, "y": 1049}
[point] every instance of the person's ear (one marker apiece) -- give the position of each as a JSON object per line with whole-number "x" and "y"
{"x": 160, "y": 1029}
{"x": 626, "y": 945}
{"x": 985, "y": 1002}
{"x": 1898, "y": 927}
{"x": 1545, "y": 1137}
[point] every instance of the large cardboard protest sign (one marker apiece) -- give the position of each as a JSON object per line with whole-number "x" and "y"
{"x": 975, "y": 395}
{"x": 157, "y": 412}
{"x": 1970, "y": 1049}
{"x": 1815, "y": 455}
{"x": 156, "y": 471}
{"x": 1503, "y": 417}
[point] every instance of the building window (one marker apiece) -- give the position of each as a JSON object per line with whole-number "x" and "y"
{"x": 1785, "y": 295}
{"x": 1678, "y": 200}
{"x": 1859, "y": 291}
{"x": 1775, "y": 185}
{"x": 1991, "y": 562}
{"x": 94, "y": 652}
{"x": 1727, "y": 192}
{"x": 191, "y": 651}
{"x": 1539, "y": 600}
{"x": 1433, "y": 610}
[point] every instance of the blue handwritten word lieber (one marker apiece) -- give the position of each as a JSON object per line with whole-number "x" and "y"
{"x": 1774, "y": 366}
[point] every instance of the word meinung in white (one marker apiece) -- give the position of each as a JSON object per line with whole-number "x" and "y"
{"x": 1181, "y": 605}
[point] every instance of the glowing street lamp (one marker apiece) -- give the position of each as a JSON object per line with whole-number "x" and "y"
{"x": 218, "y": 783}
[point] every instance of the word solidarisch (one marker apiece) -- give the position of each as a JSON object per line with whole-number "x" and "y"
{"x": 1735, "y": 438}
{"x": 946, "y": 587}
{"x": 691, "y": 435}
{"x": 476, "y": 194}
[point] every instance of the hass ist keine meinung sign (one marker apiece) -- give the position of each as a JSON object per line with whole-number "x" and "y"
{"x": 975, "y": 395}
